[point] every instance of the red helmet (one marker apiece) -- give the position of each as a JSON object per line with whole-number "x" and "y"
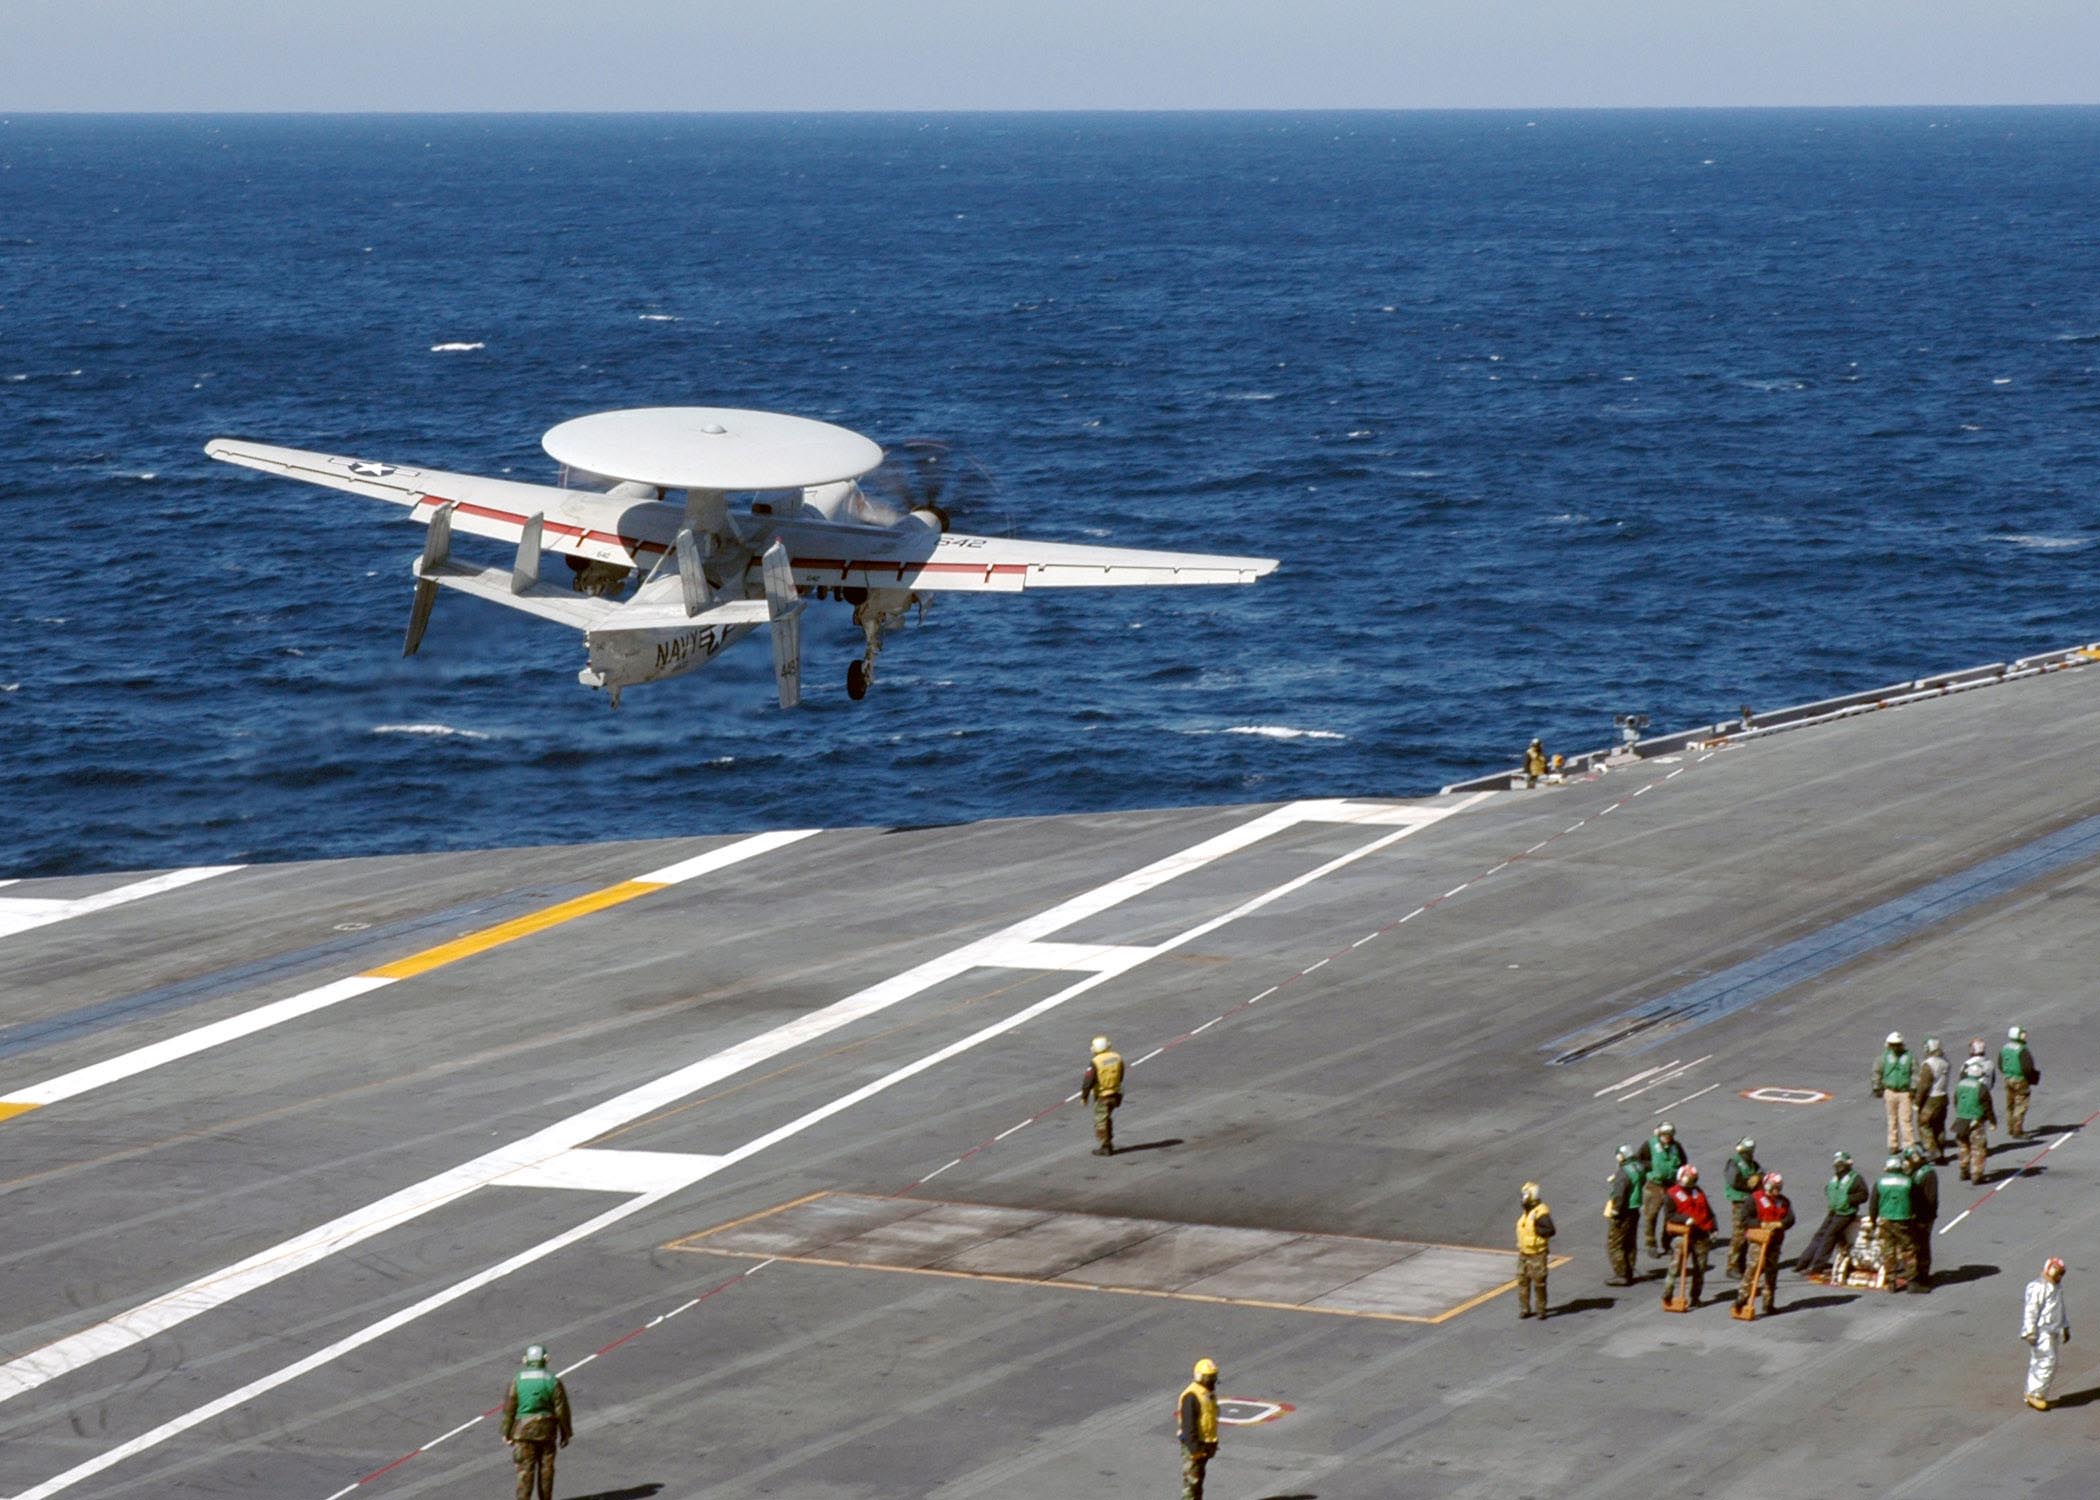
{"x": 2052, "y": 1267}
{"x": 1774, "y": 1182}
{"x": 1687, "y": 1175}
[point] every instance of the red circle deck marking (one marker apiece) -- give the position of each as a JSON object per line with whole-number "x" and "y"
{"x": 1248, "y": 1413}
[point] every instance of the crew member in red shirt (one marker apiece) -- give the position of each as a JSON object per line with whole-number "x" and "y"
{"x": 1687, "y": 1212}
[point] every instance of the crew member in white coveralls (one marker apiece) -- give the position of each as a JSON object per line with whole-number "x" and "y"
{"x": 2044, "y": 1326}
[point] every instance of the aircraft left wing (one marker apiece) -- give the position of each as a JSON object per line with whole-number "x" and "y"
{"x": 920, "y": 559}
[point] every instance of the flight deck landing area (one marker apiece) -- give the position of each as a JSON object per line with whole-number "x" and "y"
{"x": 773, "y": 1139}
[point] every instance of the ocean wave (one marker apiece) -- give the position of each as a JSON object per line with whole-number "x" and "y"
{"x": 439, "y": 731}
{"x": 2078, "y": 338}
{"x": 2040, "y": 542}
{"x": 1248, "y": 396}
{"x": 1274, "y": 732}
{"x": 659, "y": 317}
{"x": 455, "y": 348}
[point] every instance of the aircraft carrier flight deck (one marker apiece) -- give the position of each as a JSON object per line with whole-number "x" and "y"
{"x": 771, "y": 1139}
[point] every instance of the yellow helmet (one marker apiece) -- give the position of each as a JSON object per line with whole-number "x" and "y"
{"x": 1206, "y": 1368}
{"x": 1099, "y": 1044}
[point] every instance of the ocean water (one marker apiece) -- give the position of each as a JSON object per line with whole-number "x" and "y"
{"x": 1548, "y": 417}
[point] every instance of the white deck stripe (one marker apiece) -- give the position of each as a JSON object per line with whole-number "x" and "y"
{"x": 277, "y": 1012}
{"x": 214, "y": 1290}
{"x": 22, "y": 913}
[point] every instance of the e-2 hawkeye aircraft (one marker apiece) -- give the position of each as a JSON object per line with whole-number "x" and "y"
{"x": 709, "y": 574}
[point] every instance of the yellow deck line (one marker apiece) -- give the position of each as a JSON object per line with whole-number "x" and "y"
{"x": 10, "y": 1108}
{"x": 511, "y": 931}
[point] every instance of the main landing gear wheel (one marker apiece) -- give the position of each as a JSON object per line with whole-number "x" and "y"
{"x": 856, "y": 680}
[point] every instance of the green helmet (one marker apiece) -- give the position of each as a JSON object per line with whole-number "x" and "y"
{"x": 1624, "y": 1152}
{"x": 536, "y": 1357}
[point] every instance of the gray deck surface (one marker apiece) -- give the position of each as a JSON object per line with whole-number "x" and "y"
{"x": 1340, "y": 1072}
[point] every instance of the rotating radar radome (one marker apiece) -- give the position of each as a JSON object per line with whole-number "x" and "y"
{"x": 711, "y": 448}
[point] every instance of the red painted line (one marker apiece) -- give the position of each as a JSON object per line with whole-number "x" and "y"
{"x": 2023, "y": 1169}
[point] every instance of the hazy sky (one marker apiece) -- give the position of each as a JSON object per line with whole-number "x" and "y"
{"x": 1037, "y": 54}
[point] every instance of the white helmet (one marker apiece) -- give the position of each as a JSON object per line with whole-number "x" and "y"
{"x": 1895, "y": 1039}
{"x": 2015, "y": 1034}
{"x": 1100, "y": 1044}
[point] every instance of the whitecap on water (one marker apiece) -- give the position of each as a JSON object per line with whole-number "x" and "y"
{"x": 2001, "y": 380}
{"x": 1274, "y": 732}
{"x": 9, "y": 687}
{"x": 1250, "y": 396}
{"x": 2039, "y": 542}
{"x": 439, "y": 730}
{"x": 455, "y": 348}
{"x": 659, "y": 318}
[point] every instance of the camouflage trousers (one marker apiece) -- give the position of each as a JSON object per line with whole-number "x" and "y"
{"x": 1105, "y": 1118}
{"x": 535, "y": 1463}
{"x": 1622, "y": 1240}
{"x": 1899, "y": 1249}
{"x": 1741, "y": 1218}
{"x": 1651, "y": 1210}
{"x": 1695, "y": 1262}
{"x": 1932, "y": 1125}
{"x": 1972, "y": 1143}
{"x": 1769, "y": 1281}
{"x": 2016, "y": 1105}
{"x": 1193, "y": 1462}
{"x": 1531, "y": 1275}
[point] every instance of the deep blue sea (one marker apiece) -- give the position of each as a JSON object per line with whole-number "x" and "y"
{"x": 1548, "y": 416}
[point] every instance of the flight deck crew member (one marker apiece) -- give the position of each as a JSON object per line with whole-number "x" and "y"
{"x": 1895, "y": 1085}
{"x": 1534, "y": 1229}
{"x": 1199, "y": 1427}
{"x": 1973, "y": 1113}
{"x": 1924, "y": 1208}
{"x": 1534, "y": 762}
{"x": 2044, "y": 1326}
{"x": 1103, "y": 1085}
{"x": 1938, "y": 1077}
{"x": 1622, "y": 1214}
{"x": 2016, "y": 1063}
{"x": 1738, "y": 1181}
{"x": 1978, "y": 1052}
{"x": 1662, "y": 1158}
{"x": 1844, "y": 1195}
{"x": 535, "y": 1423}
{"x": 1892, "y": 1207}
{"x": 1694, "y": 1216}
{"x": 1775, "y": 1216}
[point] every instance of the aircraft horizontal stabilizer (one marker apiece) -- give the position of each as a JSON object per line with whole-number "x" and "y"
{"x": 499, "y": 585}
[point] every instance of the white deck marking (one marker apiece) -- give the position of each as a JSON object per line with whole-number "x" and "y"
{"x": 1083, "y": 957}
{"x": 218, "y": 1288}
{"x": 277, "y": 1012}
{"x": 614, "y": 1171}
{"x": 1357, "y": 944}
{"x": 1687, "y": 1099}
{"x": 1011, "y": 1129}
{"x": 22, "y": 913}
{"x": 1145, "y": 1059}
{"x": 1674, "y": 1073}
{"x": 1323, "y": 963}
{"x": 1955, "y": 1220}
{"x": 1630, "y": 1081}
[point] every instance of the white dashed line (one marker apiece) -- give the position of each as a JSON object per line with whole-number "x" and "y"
{"x": 1002, "y": 1135}
{"x": 1357, "y": 944}
{"x": 1644, "y": 791}
{"x": 1323, "y": 963}
{"x": 1214, "y": 1020}
{"x": 1454, "y": 890}
{"x": 455, "y": 1432}
{"x": 1542, "y": 843}
{"x": 1265, "y": 994}
{"x": 1676, "y": 773}
{"x": 1149, "y": 1056}
{"x": 1955, "y": 1220}
{"x": 938, "y": 1170}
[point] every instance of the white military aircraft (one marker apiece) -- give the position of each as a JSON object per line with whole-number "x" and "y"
{"x": 709, "y": 574}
